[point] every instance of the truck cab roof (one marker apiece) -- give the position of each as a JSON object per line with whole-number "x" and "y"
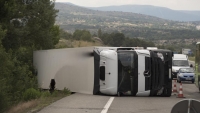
{"x": 180, "y": 57}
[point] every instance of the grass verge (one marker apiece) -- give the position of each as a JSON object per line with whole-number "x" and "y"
{"x": 192, "y": 58}
{"x": 33, "y": 106}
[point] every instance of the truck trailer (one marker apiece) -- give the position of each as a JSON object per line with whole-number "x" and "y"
{"x": 106, "y": 70}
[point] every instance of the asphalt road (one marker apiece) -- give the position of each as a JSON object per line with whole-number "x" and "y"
{"x": 83, "y": 103}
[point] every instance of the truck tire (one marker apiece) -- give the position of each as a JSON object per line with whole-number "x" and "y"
{"x": 168, "y": 93}
{"x": 168, "y": 90}
{"x": 153, "y": 93}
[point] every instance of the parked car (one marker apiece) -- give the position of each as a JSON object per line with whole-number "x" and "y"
{"x": 185, "y": 74}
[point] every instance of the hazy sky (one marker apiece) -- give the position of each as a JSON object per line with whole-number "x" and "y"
{"x": 172, "y": 4}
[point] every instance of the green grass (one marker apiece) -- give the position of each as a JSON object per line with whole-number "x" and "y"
{"x": 45, "y": 101}
{"x": 35, "y": 105}
{"x": 192, "y": 58}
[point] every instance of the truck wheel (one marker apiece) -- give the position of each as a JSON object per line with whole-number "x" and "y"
{"x": 153, "y": 93}
{"x": 168, "y": 89}
{"x": 168, "y": 92}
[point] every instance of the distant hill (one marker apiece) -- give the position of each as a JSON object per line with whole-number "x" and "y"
{"x": 71, "y": 17}
{"x": 161, "y": 12}
{"x": 66, "y": 3}
{"x": 133, "y": 25}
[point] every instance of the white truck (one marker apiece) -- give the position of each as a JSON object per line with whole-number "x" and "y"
{"x": 106, "y": 70}
{"x": 125, "y": 71}
{"x": 179, "y": 61}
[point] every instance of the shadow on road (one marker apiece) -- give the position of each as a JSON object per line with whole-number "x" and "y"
{"x": 186, "y": 82}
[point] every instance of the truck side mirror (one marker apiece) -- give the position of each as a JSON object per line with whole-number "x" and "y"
{"x": 191, "y": 65}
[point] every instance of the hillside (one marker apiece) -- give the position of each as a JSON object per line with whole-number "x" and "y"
{"x": 161, "y": 12}
{"x": 71, "y": 17}
{"x": 133, "y": 25}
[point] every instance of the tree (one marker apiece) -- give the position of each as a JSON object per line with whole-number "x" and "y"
{"x": 82, "y": 35}
{"x": 65, "y": 35}
{"x": 99, "y": 33}
{"x": 86, "y": 36}
{"x": 44, "y": 34}
{"x": 77, "y": 34}
{"x": 117, "y": 39}
{"x": 5, "y": 67}
{"x": 25, "y": 27}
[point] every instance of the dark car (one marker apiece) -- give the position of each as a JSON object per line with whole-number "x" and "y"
{"x": 186, "y": 74}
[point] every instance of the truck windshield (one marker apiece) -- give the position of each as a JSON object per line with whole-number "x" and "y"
{"x": 126, "y": 59}
{"x": 125, "y": 70}
{"x": 180, "y": 63}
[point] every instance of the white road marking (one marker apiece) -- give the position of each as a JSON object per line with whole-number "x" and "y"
{"x": 106, "y": 107}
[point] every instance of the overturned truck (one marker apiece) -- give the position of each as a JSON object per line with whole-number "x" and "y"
{"x": 106, "y": 70}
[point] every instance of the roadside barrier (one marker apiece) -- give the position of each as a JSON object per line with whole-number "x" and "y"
{"x": 180, "y": 94}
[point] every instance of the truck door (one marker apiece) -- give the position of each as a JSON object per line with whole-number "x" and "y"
{"x": 126, "y": 72}
{"x": 144, "y": 73}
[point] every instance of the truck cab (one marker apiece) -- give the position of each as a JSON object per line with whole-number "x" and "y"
{"x": 125, "y": 71}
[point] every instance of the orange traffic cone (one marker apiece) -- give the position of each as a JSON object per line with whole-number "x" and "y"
{"x": 174, "y": 88}
{"x": 180, "y": 95}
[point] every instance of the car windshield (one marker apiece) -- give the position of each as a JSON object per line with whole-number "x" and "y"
{"x": 186, "y": 70}
{"x": 180, "y": 63}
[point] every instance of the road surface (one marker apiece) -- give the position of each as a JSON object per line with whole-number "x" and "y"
{"x": 83, "y": 103}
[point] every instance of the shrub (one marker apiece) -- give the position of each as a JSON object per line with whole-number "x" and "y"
{"x": 31, "y": 93}
{"x": 45, "y": 94}
{"x": 3, "y": 102}
{"x": 55, "y": 93}
{"x": 66, "y": 91}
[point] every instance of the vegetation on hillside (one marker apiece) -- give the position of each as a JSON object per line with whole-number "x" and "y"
{"x": 73, "y": 17}
{"x": 114, "y": 39}
{"x": 174, "y": 35}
